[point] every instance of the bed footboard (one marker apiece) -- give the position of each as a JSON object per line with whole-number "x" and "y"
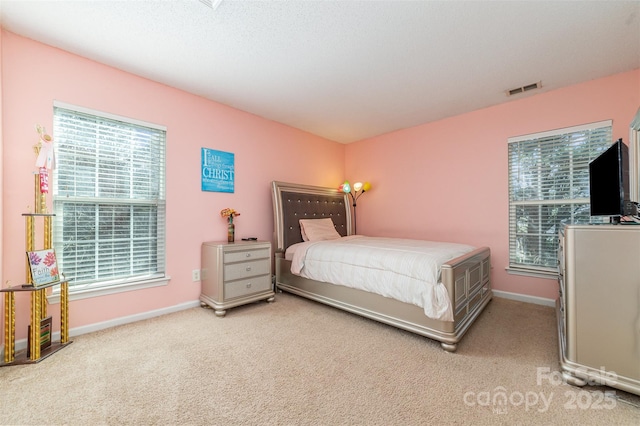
{"x": 468, "y": 283}
{"x": 467, "y": 280}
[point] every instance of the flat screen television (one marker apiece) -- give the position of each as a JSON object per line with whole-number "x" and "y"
{"x": 609, "y": 183}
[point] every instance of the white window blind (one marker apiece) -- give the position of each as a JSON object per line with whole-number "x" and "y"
{"x": 108, "y": 198}
{"x": 548, "y": 188}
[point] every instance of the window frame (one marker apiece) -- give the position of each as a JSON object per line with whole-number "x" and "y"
{"x": 541, "y": 271}
{"x": 634, "y": 157}
{"x": 121, "y": 284}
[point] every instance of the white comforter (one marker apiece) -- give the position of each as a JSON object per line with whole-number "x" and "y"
{"x": 405, "y": 270}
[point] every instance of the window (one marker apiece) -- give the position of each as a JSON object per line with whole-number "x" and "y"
{"x": 109, "y": 200}
{"x": 548, "y": 188}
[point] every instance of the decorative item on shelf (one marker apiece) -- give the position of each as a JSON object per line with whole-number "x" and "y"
{"x": 358, "y": 189}
{"x": 44, "y": 162}
{"x": 43, "y": 267}
{"x": 231, "y": 228}
{"x": 45, "y": 335}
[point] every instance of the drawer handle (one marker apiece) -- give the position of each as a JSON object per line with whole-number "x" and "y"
{"x": 248, "y": 285}
{"x": 248, "y": 268}
{"x": 248, "y": 255}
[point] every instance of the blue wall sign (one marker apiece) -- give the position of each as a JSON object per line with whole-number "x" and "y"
{"x": 218, "y": 170}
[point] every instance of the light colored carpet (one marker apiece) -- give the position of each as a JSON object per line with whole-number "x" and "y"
{"x": 296, "y": 362}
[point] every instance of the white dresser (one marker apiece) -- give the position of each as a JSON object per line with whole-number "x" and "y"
{"x": 235, "y": 274}
{"x": 599, "y": 305}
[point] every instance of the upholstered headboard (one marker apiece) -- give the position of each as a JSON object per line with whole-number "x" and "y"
{"x": 292, "y": 202}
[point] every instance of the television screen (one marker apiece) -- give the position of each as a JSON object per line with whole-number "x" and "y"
{"x": 609, "y": 182}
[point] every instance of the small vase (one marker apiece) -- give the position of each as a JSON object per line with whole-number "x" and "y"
{"x": 231, "y": 233}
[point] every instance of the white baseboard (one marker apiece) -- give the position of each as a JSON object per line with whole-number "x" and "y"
{"x": 131, "y": 318}
{"x": 525, "y": 298}
{"x": 22, "y": 343}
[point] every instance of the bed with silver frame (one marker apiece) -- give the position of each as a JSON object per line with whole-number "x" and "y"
{"x": 466, "y": 278}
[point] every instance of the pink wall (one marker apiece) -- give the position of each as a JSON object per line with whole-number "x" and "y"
{"x": 447, "y": 180}
{"x": 34, "y": 75}
{"x": 1, "y": 174}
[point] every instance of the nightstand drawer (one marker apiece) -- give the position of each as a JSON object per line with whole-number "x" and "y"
{"x": 236, "y": 271}
{"x": 247, "y": 287}
{"x": 241, "y": 256}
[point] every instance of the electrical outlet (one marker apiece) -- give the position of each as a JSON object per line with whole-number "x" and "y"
{"x": 195, "y": 275}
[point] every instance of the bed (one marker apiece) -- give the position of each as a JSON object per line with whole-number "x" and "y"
{"x": 465, "y": 279}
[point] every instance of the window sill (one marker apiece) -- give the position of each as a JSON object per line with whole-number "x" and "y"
{"x": 104, "y": 291}
{"x": 549, "y": 275}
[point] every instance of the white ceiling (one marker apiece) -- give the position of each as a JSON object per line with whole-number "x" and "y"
{"x": 345, "y": 70}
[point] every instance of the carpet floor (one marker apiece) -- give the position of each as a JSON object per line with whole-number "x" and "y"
{"x": 297, "y": 362}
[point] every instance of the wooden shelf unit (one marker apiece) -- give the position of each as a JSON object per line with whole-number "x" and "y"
{"x": 38, "y": 305}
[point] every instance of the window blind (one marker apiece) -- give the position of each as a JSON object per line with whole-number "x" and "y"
{"x": 549, "y": 188}
{"x": 108, "y": 198}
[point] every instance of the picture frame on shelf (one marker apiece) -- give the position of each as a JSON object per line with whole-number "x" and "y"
{"x": 43, "y": 267}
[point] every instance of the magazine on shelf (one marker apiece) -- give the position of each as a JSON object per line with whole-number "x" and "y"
{"x": 43, "y": 266}
{"x": 45, "y": 335}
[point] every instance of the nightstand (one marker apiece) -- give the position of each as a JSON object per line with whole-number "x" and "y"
{"x": 235, "y": 274}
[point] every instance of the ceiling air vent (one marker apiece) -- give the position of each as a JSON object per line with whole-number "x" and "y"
{"x": 523, "y": 89}
{"x": 213, "y": 4}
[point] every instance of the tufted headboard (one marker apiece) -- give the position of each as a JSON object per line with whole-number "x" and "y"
{"x": 292, "y": 202}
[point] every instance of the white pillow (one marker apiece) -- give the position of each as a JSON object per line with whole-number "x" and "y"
{"x": 318, "y": 229}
